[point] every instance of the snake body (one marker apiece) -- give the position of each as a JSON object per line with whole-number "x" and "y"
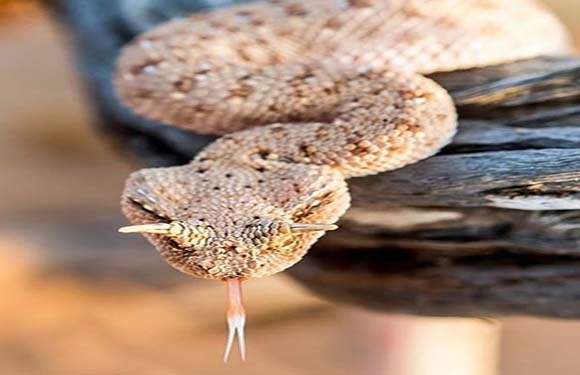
{"x": 307, "y": 95}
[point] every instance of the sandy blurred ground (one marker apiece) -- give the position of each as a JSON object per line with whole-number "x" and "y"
{"x": 70, "y": 303}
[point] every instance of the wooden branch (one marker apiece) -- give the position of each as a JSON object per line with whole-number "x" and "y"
{"x": 490, "y": 226}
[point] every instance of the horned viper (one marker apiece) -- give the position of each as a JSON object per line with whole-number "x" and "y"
{"x": 306, "y": 95}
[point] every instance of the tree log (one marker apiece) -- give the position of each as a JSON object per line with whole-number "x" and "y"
{"x": 490, "y": 226}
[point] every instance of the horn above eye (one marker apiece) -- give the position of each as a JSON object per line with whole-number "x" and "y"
{"x": 174, "y": 229}
{"x": 304, "y": 228}
{"x": 159, "y": 228}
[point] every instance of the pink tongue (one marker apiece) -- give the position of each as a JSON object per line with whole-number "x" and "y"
{"x": 236, "y": 318}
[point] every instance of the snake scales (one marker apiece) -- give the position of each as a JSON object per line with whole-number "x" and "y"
{"x": 307, "y": 95}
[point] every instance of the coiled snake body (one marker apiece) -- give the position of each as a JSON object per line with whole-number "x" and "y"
{"x": 308, "y": 94}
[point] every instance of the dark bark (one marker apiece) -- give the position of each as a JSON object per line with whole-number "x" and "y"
{"x": 490, "y": 226}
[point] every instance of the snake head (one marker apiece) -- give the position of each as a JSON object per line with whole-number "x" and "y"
{"x": 217, "y": 227}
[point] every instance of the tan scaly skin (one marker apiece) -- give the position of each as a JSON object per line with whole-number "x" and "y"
{"x": 309, "y": 94}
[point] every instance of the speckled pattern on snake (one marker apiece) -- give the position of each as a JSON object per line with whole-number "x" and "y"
{"x": 307, "y": 94}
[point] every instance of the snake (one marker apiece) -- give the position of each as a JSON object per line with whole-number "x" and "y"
{"x": 304, "y": 95}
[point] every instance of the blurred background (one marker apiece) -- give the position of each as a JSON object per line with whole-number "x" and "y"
{"x": 76, "y": 298}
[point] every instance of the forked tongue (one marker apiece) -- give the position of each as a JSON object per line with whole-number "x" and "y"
{"x": 236, "y": 318}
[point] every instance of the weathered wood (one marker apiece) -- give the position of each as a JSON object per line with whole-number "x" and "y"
{"x": 489, "y": 226}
